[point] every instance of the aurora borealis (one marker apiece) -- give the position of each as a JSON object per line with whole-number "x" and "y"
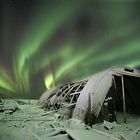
{"x": 48, "y": 42}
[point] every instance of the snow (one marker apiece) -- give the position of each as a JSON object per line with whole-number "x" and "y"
{"x": 30, "y": 121}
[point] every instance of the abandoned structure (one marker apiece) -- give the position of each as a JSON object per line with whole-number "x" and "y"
{"x": 98, "y": 97}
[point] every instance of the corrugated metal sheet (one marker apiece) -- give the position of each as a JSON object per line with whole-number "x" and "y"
{"x": 100, "y": 94}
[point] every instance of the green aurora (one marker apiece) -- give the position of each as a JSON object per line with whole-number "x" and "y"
{"x": 66, "y": 41}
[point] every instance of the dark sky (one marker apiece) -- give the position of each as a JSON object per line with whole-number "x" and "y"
{"x": 48, "y": 42}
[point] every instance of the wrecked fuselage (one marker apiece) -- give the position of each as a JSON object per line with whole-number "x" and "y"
{"x": 99, "y": 97}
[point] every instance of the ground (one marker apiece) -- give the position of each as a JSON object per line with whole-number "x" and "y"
{"x": 25, "y": 119}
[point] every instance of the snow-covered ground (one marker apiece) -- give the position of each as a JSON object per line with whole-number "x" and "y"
{"x": 25, "y": 119}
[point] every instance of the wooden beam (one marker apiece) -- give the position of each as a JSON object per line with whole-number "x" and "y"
{"x": 124, "y": 103}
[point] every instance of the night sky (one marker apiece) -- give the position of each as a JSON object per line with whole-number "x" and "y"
{"x": 44, "y": 43}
